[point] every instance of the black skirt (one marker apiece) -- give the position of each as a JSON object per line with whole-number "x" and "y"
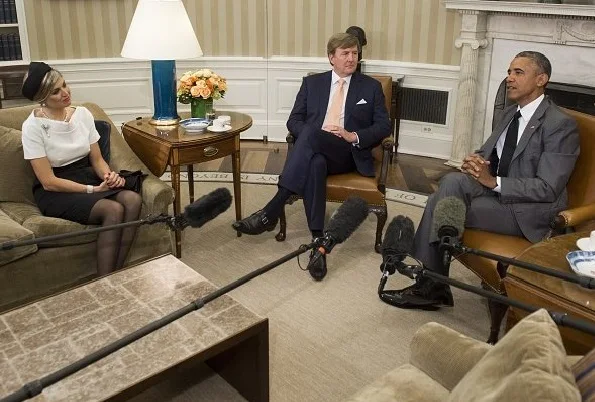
{"x": 71, "y": 206}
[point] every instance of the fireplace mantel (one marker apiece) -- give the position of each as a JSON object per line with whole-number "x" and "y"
{"x": 513, "y": 7}
{"x": 492, "y": 33}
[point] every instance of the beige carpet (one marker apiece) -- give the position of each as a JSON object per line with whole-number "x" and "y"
{"x": 327, "y": 339}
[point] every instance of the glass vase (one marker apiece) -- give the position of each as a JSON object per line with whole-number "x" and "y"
{"x": 200, "y": 107}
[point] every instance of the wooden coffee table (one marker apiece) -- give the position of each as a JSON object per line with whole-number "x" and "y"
{"x": 162, "y": 146}
{"x": 550, "y": 292}
{"x": 42, "y": 337}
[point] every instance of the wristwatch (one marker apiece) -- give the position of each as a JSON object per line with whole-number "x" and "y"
{"x": 89, "y": 189}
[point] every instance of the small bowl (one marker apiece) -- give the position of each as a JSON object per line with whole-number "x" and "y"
{"x": 195, "y": 124}
{"x": 582, "y": 262}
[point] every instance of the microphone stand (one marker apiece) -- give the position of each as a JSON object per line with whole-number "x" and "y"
{"x": 174, "y": 223}
{"x": 581, "y": 280}
{"x": 35, "y": 387}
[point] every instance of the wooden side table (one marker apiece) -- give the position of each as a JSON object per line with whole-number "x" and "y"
{"x": 162, "y": 146}
{"x": 550, "y": 292}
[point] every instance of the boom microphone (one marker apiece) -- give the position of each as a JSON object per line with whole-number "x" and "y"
{"x": 397, "y": 244}
{"x": 449, "y": 224}
{"x": 195, "y": 215}
{"x": 204, "y": 209}
{"x": 344, "y": 221}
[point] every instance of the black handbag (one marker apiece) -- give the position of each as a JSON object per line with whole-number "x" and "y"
{"x": 133, "y": 180}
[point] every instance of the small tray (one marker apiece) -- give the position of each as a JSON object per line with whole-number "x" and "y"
{"x": 195, "y": 124}
{"x": 582, "y": 262}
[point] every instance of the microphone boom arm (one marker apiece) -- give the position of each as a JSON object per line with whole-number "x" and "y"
{"x": 171, "y": 221}
{"x": 581, "y": 280}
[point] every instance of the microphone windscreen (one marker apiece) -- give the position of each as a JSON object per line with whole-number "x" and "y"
{"x": 398, "y": 238}
{"x": 450, "y": 213}
{"x": 207, "y": 207}
{"x": 347, "y": 218}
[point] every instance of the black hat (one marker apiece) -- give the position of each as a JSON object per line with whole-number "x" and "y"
{"x": 37, "y": 71}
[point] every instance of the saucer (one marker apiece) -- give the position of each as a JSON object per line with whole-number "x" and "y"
{"x": 219, "y": 130}
{"x": 582, "y": 262}
{"x": 584, "y": 244}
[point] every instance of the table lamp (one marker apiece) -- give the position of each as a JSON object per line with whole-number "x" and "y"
{"x": 161, "y": 31}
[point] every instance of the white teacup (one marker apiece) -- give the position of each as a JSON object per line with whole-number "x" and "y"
{"x": 225, "y": 119}
{"x": 218, "y": 124}
{"x": 592, "y": 241}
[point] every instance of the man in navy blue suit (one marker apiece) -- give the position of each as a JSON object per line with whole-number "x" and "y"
{"x": 337, "y": 118}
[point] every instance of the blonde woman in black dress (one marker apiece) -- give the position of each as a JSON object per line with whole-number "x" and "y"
{"x": 73, "y": 181}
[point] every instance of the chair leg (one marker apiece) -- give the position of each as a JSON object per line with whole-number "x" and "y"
{"x": 497, "y": 313}
{"x": 381, "y": 215}
{"x": 282, "y": 226}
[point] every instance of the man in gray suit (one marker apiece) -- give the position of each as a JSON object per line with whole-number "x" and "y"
{"x": 514, "y": 185}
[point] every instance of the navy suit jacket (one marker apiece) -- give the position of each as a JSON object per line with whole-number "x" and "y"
{"x": 369, "y": 118}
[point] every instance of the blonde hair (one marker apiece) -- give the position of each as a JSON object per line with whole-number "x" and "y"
{"x": 47, "y": 85}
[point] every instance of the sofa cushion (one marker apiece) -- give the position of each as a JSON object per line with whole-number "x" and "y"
{"x": 528, "y": 363}
{"x": 16, "y": 174}
{"x": 31, "y": 218}
{"x": 12, "y": 231}
{"x": 403, "y": 384}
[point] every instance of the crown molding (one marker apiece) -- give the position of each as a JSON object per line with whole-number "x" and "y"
{"x": 513, "y": 7}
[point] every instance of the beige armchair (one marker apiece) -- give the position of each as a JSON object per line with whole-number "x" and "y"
{"x": 528, "y": 364}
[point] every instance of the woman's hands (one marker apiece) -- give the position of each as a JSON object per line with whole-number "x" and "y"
{"x": 113, "y": 180}
{"x": 110, "y": 181}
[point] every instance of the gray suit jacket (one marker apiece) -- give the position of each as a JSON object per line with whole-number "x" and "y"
{"x": 540, "y": 168}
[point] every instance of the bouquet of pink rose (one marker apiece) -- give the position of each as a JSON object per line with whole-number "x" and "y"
{"x": 201, "y": 84}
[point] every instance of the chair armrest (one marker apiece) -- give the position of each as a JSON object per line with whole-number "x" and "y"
{"x": 573, "y": 217}
{"x": 387, "y": 149}
{"x": 444, "y": 354}
{"x": 157, "y": 195}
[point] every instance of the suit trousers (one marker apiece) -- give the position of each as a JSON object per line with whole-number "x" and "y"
{"x": 315, "y": 155}
{"x": 484, "y": 212}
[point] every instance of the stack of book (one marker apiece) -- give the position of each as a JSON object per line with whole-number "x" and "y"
{"x": 10, "y": 47}
{"x": 8, "y": 12}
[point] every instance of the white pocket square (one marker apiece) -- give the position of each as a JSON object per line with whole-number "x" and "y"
{"x": 361, "y": 102}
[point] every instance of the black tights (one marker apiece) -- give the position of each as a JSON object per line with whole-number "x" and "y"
{"x": 113, "y": 245}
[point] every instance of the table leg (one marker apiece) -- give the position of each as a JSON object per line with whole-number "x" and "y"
{"x": 175, "y": 182}
{"x": 191, "y": 182}
{"x": 237, "y": 184}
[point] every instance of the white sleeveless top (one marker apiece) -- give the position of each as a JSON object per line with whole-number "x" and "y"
{"x": 61, "y": 142}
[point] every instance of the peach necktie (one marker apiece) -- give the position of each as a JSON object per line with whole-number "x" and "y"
{"x": 333, "y": 116}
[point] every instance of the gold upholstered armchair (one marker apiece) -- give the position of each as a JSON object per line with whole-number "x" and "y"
{"x": 579, "y": 216}
{"x": 371, "y": 189}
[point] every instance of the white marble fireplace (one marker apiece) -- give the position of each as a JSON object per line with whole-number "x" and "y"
{"x": 492, "y": 33}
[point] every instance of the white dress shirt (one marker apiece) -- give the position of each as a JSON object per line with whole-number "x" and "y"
{"x": 527, "y": 112}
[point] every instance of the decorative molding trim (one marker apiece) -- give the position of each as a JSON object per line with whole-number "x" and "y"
{"x": 528, "y": 9}
{"x": 565, "y": 26}
{"x": 264, "y": 88}
{"x": 474, "y": 43}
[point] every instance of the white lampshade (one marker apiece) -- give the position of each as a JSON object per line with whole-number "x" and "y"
{"x": 161, "y": 30}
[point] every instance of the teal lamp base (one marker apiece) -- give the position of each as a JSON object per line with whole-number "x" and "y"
{"x": 164, "y": 93}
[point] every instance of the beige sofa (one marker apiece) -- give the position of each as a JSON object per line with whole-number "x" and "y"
{"x": 528, "y": 364}
{"x": 29, "y": 272}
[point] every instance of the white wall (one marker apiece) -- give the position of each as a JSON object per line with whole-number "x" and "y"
{"x": 262, "y": 88}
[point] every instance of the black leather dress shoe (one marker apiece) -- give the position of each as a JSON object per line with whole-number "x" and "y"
{"x": 317, "y": 267}
{"x": 424, "y": 295}
{"x": 255, "y": 224}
